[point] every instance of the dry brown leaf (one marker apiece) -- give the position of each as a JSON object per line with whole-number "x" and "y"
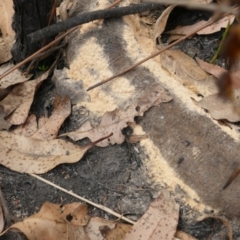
{"x": 161, "y": 23}
{"x": 215, "y": 70}
{"x": 8, "y": 35}
{"x": 215, "y": 27}
{"x": 50, "y": 129}
{"x": 28, "y": 155}
{"x": 13, "y": 78}
{"x": 42, "y": 121}
{"x": 76, "y": 233}
{"x": 1, "y": 219}
{"x": 182, "y": 65}
{"x": 184, "y": 236}
{"x": 4, "y": 125}
{"x": 220, "y": 108}
{"x": 159, "y": 222}
{"x": 218, "y": 72}
{"x": 54, "y": 221}
{"x": 5, "y": 48}
{"x": 6, "y": 17}
{"x": 115, "y": 121}
{"x": 28, "y": 128}
{"x": 20, "y": 99}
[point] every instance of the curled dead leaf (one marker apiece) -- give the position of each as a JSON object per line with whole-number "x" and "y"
{"x": 159, "y": 222}
{"x": 220, "y": 108}
{"x": 161, "y": 23}
{"x": 28, "y": 128}
{"x": 13, "y": 78}
{"x": 28, "y": 155}
{"x": 19, "y": 100}
{"x": 53, "y": 221}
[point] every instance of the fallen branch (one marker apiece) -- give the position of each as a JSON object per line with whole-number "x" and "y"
{"x": 88, "y": 17}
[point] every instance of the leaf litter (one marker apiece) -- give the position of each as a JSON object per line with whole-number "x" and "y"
{"x": 215, "y": 27}
{"x": 43, "y": 134}
{"x": 53, "y": 221}
{"x": 180, "y": 31}
{"x": 71, "y": 221}
{"x": 115, "y": 121}
{"x": 159, "y": 222}
{"x": 28, "y": 155}
{"x": 15, "y": 77}
{"x": 18, "y": 102}
{"x": 218, "y": 106}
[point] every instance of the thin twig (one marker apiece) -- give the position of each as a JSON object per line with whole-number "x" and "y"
{"x": 209, "y": 22}
{"x": 36, "y": 53}
{"x": 108, "y": 210}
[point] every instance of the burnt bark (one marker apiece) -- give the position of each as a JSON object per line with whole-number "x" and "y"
{"x": 30, "y": 16}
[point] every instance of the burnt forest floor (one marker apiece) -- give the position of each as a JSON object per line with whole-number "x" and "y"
{"x": 111, "y": 176}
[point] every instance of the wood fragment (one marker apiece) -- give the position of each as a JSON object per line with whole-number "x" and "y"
{"x": 88, "y": 17}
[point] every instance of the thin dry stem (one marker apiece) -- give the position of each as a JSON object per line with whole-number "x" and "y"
{"x": 108, "y": 210}
{"x": 209, "y": 22}
{"x": 212, "y": 20}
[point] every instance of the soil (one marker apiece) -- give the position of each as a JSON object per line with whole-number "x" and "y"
{"x": 113, "y": 176}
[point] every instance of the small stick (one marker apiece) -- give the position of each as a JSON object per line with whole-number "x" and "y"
{"x": 209, "y": 22}
{"x": 100, "y": 139}
{"x": 108, "y": 210}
